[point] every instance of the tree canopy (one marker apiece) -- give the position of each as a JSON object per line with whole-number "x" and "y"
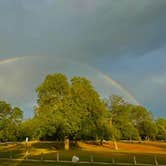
{"x": 74, "y": 109}
{"x": 10, "y": 121}
{"x": 70, "y": 109}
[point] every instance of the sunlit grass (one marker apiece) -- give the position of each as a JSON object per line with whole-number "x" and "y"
{"x": 144, "y": 152}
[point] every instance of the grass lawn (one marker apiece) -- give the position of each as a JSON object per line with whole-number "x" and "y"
{"x": 143, "y": 152}
{"x": 25, "y": 163}
{"x": 12, "y": 163}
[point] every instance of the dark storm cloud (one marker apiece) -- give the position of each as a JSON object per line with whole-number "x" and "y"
{"x": 20, "y": 77}
{"x": 145, "y": 78}
{"x": 94, "y": 32}
{"x": 81, "y": 29}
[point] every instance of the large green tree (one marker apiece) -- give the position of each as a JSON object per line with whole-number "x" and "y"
{"x": 161, "y": 128}
{"x": 120, "y": 113}
{"x": 93, "y": 111}
{"x": 10, "y": 122}
{"x": 144, "y": 122}
{"x": 71, "y": 109}
{"x": 133, "y": 121}
{"x": 53, "y": 91}
{"x": 50, "y": 112}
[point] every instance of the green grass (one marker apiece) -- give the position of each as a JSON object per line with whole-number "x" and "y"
{"x": 48, "y": 150}
{"x": 29, "y": 163}
{"x": 25, "y": 163}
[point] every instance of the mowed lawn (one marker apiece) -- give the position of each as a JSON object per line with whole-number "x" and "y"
{"x": 144, "y": 152}
{"x": 27, "y": 163}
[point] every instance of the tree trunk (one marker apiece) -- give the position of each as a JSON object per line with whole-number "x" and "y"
{"x": 101, "y": 141}
{"x": 115, "y": 145}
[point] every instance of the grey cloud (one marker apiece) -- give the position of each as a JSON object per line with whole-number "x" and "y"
{"x": 94, "y": 32}
{"x": 19, "y": 79}
{"x": 145, "y": 78}
{"x": 81, "y": 29}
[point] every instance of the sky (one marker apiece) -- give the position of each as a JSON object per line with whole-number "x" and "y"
{"x": 123, "y": 39}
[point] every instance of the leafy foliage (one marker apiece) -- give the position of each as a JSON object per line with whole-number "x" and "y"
{"x": 133, "y": 121}
{"x": 161, "y": 128}
{"x": 74, "y": 109}
{"x": 10, "y": 121}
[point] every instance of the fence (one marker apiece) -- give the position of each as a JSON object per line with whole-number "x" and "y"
{"x": 42, "y": 158}
{"x": 24, "y": 152}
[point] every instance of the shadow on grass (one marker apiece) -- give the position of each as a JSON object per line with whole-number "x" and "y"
{"x": 49, "y": 150}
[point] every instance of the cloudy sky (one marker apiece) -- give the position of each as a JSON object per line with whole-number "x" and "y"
{"x": 125, "y": 39}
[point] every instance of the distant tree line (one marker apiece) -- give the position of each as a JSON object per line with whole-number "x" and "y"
{"x": 74, "y": 109}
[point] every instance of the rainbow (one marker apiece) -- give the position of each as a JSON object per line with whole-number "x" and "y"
{"x": 121, "y": 88}
{"x": 10, "y": 60}
{"x": 117, "y": 85}
{"x": 106, "y": 77}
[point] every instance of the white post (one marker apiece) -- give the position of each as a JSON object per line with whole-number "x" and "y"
{"x": 113, "y": 160}
{"x": 26, "y": 155}
{"x": 134, "y": 158}
{"x": 115, "y": 144}
{"x": 10, "y": 155}
{"x": 57, "y": 156}
{"x": 91, "y": 159}
{"x": 41, "y": 157}
{"x": 155, "y": 161}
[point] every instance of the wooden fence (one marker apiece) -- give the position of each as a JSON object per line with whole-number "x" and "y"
{"x": 91, "y": 160}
